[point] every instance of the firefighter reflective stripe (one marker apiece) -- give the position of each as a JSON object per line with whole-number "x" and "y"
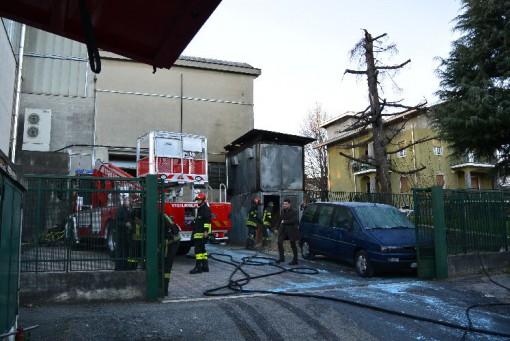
{"x": 132, "y": 260}
{"x": 167, "y": 275}
{"x": 252, "y": 218}
{"x": 198, "y": 235}
{"x": 201, "y": 256}
{"x": 137, "y": 235}
{"x": 267, "y": 218}
{"x": 207, "y": 226}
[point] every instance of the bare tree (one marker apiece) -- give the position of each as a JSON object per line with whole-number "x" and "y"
{"x": 316, "y": 160}
{"x": 370, "y": 121}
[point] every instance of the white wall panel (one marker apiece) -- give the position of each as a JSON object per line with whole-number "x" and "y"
{"x": 54, "y": 65}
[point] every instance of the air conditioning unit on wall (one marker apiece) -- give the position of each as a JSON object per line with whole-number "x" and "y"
{"x": 37, "y": 129}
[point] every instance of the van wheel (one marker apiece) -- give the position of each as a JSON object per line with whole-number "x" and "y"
{"x": 306, "y": 251}
{"x": 363, "y": 266}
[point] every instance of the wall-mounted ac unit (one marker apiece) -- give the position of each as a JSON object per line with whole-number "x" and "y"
{"x": 37, "y": 129}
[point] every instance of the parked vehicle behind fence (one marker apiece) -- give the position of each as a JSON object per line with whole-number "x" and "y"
{"x": 373, "y": 237}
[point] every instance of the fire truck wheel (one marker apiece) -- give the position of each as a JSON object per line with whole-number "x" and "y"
{"x": 183, "y": 249}
{"x": 110, "y": 239}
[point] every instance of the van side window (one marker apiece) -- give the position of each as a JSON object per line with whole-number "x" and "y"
{"x": 344, "y": 218}
{"x": 308, "y": 213}
{"x": 324, "y": 215}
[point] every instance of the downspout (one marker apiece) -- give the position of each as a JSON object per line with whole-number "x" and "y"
{"x": 414, "y": 154}
{"x": 14, "y": 127}
{"x": 353, "y": 175}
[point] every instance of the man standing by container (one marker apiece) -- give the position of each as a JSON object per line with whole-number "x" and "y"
{"x": 288, "y": 229}
{"x": 200, "y": 234}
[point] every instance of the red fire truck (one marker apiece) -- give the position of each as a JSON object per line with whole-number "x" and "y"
{"x": 181, "y": 161}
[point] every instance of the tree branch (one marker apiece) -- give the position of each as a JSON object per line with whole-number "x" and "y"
{"x": 394, "y": 66}
{"x": 355, "y": 72}
{"x": 412, "y": 171}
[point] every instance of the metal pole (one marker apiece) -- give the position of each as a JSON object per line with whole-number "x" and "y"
{"x": 151, "y": 223}
{"x": 14, "y": 127}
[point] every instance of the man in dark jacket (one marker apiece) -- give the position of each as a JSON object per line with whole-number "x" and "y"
{"x": 200, "y": 233}
{"x": 288, "y": 229}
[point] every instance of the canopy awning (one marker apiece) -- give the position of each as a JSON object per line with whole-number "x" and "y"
{"x": 154, "y": 32}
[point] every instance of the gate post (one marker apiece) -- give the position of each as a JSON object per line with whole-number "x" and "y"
{"x": 151, "y": 209}
{"x": 440, "y": 249}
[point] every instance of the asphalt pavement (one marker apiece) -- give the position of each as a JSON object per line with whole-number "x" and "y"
{"x": 246, "y": 296}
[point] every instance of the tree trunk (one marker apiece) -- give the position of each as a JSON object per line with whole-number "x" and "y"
{"x": 380, "y": 141}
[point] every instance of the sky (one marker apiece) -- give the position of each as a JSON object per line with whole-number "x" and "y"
{"x": 303, "y": 48}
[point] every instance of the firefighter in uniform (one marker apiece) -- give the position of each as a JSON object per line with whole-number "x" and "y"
{"x": 267, "y": 223}
{"x": 135, "y": 241}
{"x": 200, "y": 233}
{"x": 252, "y": 222}
{"x": 124, "y": 220}
{"x": 170, "y": 246}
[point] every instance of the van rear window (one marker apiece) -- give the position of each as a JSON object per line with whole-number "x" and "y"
{"x": 385, "y": 217}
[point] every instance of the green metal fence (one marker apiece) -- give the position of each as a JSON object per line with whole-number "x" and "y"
{"x": 71, "y": 224}
{"x": 477, "y": 220}
{"x": 400, "y": 200}
{"x": 11, "y": 198}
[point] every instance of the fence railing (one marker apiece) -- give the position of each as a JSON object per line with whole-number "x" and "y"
{"x": 477, "y": 220}
{"x": 72, "y": 224}
{"x": 397, "y": 200}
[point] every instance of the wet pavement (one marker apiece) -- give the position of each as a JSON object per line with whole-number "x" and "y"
{"x": 245, "y": 296}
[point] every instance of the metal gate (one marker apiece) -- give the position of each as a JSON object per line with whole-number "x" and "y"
{"x": 73, "y": 223}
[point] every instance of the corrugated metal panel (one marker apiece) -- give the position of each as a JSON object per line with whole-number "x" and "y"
{"x": 54, "y": 65}
{"x": 13, "y": 30}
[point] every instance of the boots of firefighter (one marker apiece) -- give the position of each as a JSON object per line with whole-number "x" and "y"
{"x": 165, "y": 289}
{"x": 205, "y": 265}
{"x": 250, "y": 243}
{"x": 197, "y": 269}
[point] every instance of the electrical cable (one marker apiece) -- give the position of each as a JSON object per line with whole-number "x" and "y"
{"x": 236, "y": 288}
{"x": 470, "y": 322}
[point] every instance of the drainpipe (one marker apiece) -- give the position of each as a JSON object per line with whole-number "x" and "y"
{"x": 414, "y": 153}
{"x": 353, "y": 175}
{"x": 14, "y": 126}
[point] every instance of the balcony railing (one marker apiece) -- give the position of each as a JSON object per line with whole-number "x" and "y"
{"x": 470, "y": 158}
{"x": 361, "y": 166}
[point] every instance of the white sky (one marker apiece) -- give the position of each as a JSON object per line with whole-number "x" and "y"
{"x": 302, "y": 48}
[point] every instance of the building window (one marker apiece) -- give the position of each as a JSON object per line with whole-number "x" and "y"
{"x": 440, "y": 180}
{"x": 403, "y": 152}
{"x": 217, "y": 174}
{"x": 438, "y": 148}
{"x": 404, "y": 184}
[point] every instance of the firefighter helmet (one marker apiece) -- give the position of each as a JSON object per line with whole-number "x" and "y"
{"x": 200, "y": 196}
{"x": 256, "y": 201}
{"x": 271, "y": 204}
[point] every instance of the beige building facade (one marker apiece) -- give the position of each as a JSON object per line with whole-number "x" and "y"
{"x": 439, "y": 167}
{"x": 89, "y": 116}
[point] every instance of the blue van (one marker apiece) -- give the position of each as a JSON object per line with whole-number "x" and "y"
{"x": 373, "y": 237}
